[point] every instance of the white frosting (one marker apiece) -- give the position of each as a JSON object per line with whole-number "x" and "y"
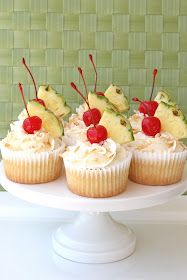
{"x": 23, "y": 115}
{"x": 86, "y": 155}
{"x": 19, "y": 140}
{"x": 162, "y": 142}
{"x": 81, "y": 109}
{"x": 136, "y": 121}
{"x": 75, "y": 130}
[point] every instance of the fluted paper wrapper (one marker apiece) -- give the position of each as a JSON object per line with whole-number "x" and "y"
{"x": 98, "y": 182}
{"x": 149, "y": 168}
{"x": 31, "y": 167}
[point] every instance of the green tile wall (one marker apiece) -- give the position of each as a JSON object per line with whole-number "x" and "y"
{"x": 128, "y": 38}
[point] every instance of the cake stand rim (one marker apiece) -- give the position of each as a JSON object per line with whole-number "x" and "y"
{"x": 73, "y": 202}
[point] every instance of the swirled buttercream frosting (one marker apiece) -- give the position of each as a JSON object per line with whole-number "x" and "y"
{"x": 75, "y": 130}
{"x": 162, "y": 142}
{"x": 18, "y": 140}
{"x": 84, "y": 154}
{"x": 136, "y": 121}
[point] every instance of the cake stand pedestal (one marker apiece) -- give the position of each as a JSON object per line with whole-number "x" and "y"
{"x": 93, "y": 237}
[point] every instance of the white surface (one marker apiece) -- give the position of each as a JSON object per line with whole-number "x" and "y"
{"x": 56, "y": 194}
{"x": 26, "y": 251}
{"x": 94, "y": 238}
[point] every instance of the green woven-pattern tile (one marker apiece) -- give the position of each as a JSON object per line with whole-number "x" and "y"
{"x": 171, "y": 23}
{"x": 154, "y": 41}
{"x": 54, "y": 57}
{"x": 88, "y": 6}
{"x": 37, "y": 57}
{"x": 104, "y": 7}
{"x": 104, "y": 41}
{"x": 104, "y": 23}
{"x": 21, "y": 20}
{"x": 183, "y": 7}
{"x": 137, "y": 59}
{"x": 153, "y": 58}
{"x": 21, "y": 5}
{"x": 170, "y": 7}
{"x": 154, "y": 23}
{"x": 154, "y": 7}
{"x": 87, "y": 22}
{"x": 170, "y": 60}
{"x": 120, "y": 59}
{"x": 38, "y": 21}
{"x": 5, "y": 57}
{"x": 137, "y": 23}
{"x": 6, "y": 20}
{"x": 137, "y": 7}
{"x": 128, "y": 38}
{"x": 170, "y": 41}
{"x": 120, "y": 23}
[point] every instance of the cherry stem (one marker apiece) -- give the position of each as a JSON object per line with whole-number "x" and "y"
{"x": 23, "y": 97}
{"x": 80, "y": 93}
{"x": 24, "y": 63}
{"x": 82, "y": 76}
{"x": 145, "y": 105}
{"x": 153, "y": 84}
{"x": 91, "y": 59}
{"x": 136, "y": 99}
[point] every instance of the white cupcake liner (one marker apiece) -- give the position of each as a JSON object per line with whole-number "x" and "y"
{"x": 152, "y": 168}
{"x": 32, "y": 167}
{"x": 98, "y": 182}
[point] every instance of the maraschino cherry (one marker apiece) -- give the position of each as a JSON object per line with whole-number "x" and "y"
{"x": 93, "y": 64}
{"x": 97, "y": 133}
{"x": 146, "y": 107}
{"x": 149, "y": 106}
{"x": 36, "y": 99}
{"x": 30, "y": 124}
{"x": 151, "y": 125}
{"x": 92, "y": 116}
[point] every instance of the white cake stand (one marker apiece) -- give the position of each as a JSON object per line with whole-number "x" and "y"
{"x": 94, "y": 237}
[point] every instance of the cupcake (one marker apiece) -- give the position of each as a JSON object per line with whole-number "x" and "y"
{"x": 31, "y": 158}
{"x": 158, "y": 160}
{"x": 95, "y": 162}
{"x": 31, "y": 150}
{"x": 159, "y": 156}
{"x": 97, "y": 170}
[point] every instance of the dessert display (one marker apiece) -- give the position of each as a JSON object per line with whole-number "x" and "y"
{"x": 96, "y": 164}
{"x": 158, "y": 154}
{"x": 32, "y": 148}
{"x": 99, "y": 146}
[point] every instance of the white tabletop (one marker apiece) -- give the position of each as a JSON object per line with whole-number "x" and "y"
{"x": 26, "y": 250}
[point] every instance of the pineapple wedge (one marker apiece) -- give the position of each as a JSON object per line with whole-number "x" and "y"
{"x": 49, "y": 121}
{"x": 54, "y": 101}
{"x": 100, "y": 102}
{"x": 172, "y": 120}
{"x": 118, "y": 127}
{"x": 116, "y": 96}
{"x": 165, "y": 97}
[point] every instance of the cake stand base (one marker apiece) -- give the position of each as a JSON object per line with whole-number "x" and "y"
{"x": 94, "y": 238}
